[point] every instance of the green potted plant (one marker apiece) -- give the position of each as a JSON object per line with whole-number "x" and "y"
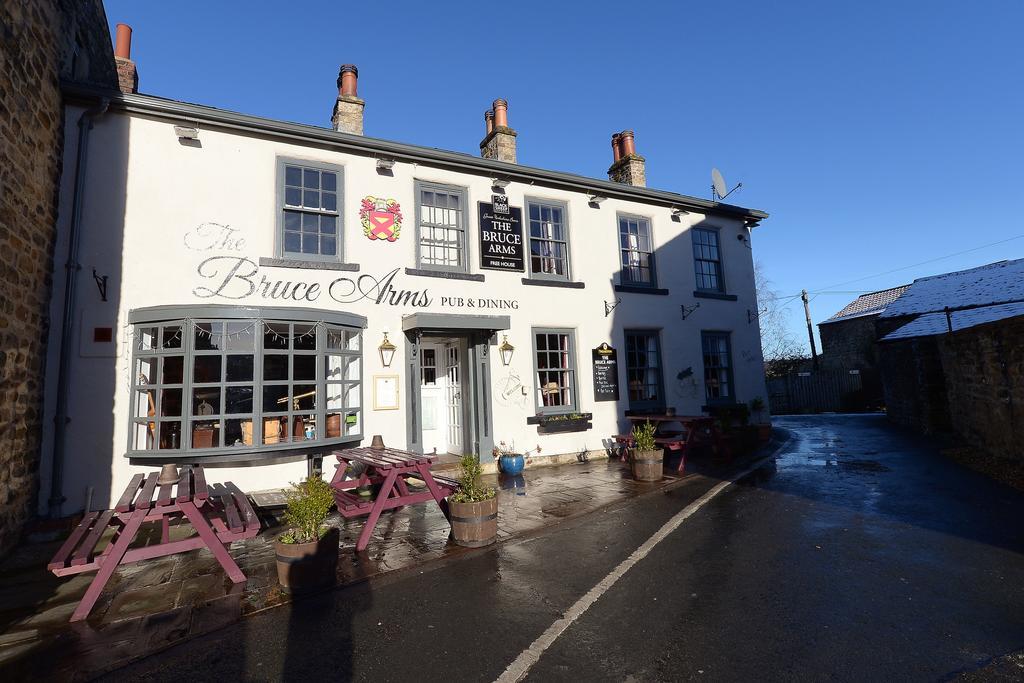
{"x": 307, "y": 554}
{"x": 646, "y": 458}
{"x": 473, "y": 508}
{"x": 764, "y": 427}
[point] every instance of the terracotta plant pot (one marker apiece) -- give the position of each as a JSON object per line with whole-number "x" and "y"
{"x": 333, "y": 426}
{"x": 475, "y": 525}
{"x": 764, "y": 433}
{"x": 304, "y": 567}
{"x": 647, "y": 465}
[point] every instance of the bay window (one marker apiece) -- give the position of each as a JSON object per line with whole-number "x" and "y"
{"x": 241, "y": 380}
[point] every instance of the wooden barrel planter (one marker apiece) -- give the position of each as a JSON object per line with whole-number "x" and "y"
{"x": 475, "y": 525}
{"x": 304, "y": 567}
{"x": 647, "y": 465}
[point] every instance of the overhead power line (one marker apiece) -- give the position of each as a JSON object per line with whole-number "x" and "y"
{"x": 922, "y": 263}
{"x": 829, "y": 289}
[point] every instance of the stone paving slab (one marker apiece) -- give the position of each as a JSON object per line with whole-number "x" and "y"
{"x": 154, "y": 604}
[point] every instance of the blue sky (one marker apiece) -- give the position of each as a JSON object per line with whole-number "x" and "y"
{"x": 877, "y": 134}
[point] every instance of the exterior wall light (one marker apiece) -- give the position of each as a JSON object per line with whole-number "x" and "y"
{"x": 596, "y": 199}
{"x": 186, "y": 132}
{"x": 384, "y": 165}
{"x": 506, "y": 350}
{"x": 500, "y": 183}
{"x": 387, "y": 351}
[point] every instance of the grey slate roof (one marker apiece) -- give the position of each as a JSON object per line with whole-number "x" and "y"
{"x": 931, "y": 324}
{"x": 992, "y": 292}
{"x": 868, "y": 304}
{"x": 192, "y": 114}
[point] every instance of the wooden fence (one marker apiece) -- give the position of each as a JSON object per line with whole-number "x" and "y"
{"x": 823, "y": 391}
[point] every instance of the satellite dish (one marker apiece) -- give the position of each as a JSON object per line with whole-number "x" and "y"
{"x": 718, "y": 186}
{"x": 718, "y": 183}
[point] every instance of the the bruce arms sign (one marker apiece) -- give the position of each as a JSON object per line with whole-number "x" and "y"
{"x": 238, "y": 277}
{"x": 501, "y": 235}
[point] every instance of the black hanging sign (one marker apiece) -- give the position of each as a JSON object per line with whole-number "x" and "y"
{"x": 501, "y": 235}
{"x": 606, "y": 374}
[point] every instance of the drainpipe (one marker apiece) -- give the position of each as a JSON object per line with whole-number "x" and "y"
{"x": 60, "y": 418}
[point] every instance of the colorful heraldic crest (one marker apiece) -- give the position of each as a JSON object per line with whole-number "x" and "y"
{"x": 381, "y": 218}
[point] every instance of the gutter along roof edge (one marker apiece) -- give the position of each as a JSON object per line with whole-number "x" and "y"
{"x": 193, "y": 113}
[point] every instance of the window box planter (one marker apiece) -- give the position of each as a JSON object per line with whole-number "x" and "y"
{"x": 556, "y": 424}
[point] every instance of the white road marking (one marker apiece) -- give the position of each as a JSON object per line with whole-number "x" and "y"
{"x": 518, "y": 669}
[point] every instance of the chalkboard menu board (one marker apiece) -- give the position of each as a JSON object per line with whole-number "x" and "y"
{"x": 501, "y": 235}
{"x": 606, "y": 374}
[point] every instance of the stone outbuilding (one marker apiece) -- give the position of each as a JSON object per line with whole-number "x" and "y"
{"x": 848, "y": 340}
{"x": 951, "y": 356}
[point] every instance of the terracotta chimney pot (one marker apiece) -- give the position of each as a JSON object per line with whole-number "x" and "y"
{"x": 616, "y": 147}
{"x": 123, "y": 43}
{"x": 489, "y": 120}
{"x": 500, "y": 107}
{"x": 626, "y": 143}
{"x": 348, "y": 80}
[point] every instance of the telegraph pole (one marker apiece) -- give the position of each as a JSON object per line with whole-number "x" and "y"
{"x": 810, "y": 329}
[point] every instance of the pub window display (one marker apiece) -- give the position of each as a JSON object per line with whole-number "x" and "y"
{"x": 555, "y": 359}
{"x": 213, "y": 386}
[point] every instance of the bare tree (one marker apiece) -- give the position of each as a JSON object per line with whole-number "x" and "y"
{"x": 777, "y": 345}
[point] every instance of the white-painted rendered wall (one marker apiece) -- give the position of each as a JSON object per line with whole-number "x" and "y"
{"x": 143, "y": 182}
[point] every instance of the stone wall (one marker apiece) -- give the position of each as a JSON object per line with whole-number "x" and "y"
{"x": 984, "y": 369}
{"x": 41, "y": 42}
{"x": 849, "y": 344}
{"x": 914, "y": 384}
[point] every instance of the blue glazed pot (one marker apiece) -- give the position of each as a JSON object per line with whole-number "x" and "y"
{"x": 512, "y": 464}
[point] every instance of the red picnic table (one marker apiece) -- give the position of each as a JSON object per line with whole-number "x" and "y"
{"x": 390, "y": 469}
{"x": 697, "y": 430}
{"x": 219, "y": 513}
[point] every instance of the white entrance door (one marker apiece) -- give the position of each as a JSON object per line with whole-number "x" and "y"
{"x": 433, "y": 380}
{"x": 453, "y": 398}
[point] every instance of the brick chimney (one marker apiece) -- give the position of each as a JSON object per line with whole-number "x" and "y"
{"x": 627, "y": 166}
{"x": 127, "y": 74}
{"x": 348, "y": 109}
{"x": 500, "y": 140}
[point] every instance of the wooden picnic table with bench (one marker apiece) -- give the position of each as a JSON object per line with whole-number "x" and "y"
{"x": 697, "y": 430}
{"x": 389, "y": 469}
{"x": 219, "y": 513}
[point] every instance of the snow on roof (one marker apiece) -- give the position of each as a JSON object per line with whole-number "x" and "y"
{"x": 995, "y": 283}
{"x": 931, "y": 324}
{"x": 867, "y": 304}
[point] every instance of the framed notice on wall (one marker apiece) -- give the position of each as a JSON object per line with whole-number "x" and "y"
{"x": 385, "y": 392}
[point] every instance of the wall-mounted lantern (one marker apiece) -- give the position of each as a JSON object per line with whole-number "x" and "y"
{"x": 387, "y": 351}
{"x": 506, "y": 350}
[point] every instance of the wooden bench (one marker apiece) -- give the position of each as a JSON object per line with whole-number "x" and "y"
{"x": 219, "y": 513}
{"x": 389, "y": 472}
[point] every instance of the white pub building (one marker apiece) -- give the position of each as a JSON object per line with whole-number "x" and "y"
{"x": 252, "y": 294}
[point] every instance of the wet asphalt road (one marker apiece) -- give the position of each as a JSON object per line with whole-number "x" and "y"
{"x": 857, "y": 554}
